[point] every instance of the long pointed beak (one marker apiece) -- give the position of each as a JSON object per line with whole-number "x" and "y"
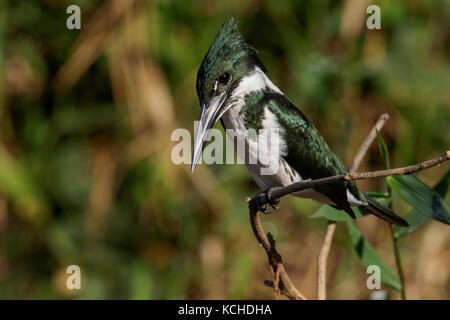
{"x": 209, "y": 115}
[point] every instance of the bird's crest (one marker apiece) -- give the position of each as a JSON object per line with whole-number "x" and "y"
{"x": 227, "y": 48}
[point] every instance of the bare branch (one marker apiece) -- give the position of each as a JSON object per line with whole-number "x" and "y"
{"x": 368, "y": 141}
{"x": 279, "y": 192}
{"x": 281, "y": 282}
{"x": 322, "y": 259}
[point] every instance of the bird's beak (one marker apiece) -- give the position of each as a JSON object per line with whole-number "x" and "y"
{"x": 209, "y": 115}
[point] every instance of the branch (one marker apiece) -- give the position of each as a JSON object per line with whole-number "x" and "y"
{"x": 281, "y": 282}
{"x": 278, "y": 192}
{"x": 322, "y": 256}
{"x": 368, "y": 141}
{"x": 322, "y": 259}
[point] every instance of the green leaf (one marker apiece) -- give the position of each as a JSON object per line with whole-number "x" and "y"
{"x": 369, "y": 256}
{"x": 442, "y": 186}
{"x": 383, "y": 150}
{"x": 421, "y": 197}
{"x": 378, "y": 195}
{"x": 414, "y": 217}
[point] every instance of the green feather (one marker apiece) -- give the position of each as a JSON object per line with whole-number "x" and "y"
{"x": 308, "y": 152}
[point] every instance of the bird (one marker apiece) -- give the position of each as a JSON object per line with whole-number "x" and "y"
{"x": 233, "y": 87}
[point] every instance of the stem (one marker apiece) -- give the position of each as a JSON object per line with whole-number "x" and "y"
{"x": 398, "y": 258}
{"x": 322, "y": 261}
{"x": 398, "y": 261}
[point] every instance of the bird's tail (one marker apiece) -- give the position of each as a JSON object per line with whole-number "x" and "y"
{"x": 384, "y": 213}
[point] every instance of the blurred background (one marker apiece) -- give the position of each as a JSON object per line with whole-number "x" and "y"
{"x": 86, "y": 118}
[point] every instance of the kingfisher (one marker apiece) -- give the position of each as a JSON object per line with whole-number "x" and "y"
{"x": 233, "y": 87}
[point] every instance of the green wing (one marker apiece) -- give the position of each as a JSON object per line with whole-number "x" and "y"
{"x": 308, "y": 153}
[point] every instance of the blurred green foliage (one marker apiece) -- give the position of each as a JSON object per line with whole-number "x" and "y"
{"x": 85, "y": 124}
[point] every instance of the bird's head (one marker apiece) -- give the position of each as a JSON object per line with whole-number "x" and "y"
{"x": 225, "y": 64}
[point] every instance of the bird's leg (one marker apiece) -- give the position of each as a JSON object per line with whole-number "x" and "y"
{"x": 269, "y": 201}
{"x": 263, "y": 208}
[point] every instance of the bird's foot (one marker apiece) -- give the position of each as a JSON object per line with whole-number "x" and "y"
{"x": 272, "y": 202}
{"x": 269, "y": 202}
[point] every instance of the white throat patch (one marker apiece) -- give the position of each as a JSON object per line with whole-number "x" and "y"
{"x": 256, "y": 80}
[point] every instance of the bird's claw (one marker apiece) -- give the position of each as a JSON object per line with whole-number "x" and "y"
{"x": 269, "y": 202}
{"x": 274, "y": 203}
{"x": 263, "y": 208}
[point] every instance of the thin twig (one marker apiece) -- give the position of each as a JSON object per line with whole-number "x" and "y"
{"x": 322, "y": 259}
{"x": 322, "y": 256}
{"x": 368, "y": 141}
{"x": 278, "y": 192}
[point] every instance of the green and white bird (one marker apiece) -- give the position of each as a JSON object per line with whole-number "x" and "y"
{"x": 232, "y": 85}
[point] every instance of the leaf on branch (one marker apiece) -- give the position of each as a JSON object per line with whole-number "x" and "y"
{"x": 426, "y": 202}
{"x": 369, "y": 256}
{"x": 421, "y": 197}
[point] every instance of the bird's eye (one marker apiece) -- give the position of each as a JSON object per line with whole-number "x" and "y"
{"x": 225, "y": 78}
